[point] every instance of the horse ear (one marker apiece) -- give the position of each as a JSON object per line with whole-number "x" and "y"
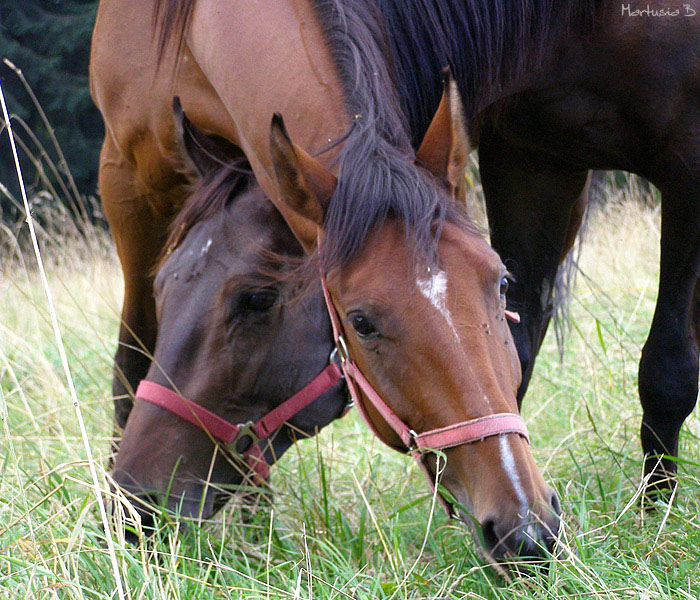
{"x": 445, "y": 148}
{"x": 305, "y": 185}
{"x": 201, "y": 153}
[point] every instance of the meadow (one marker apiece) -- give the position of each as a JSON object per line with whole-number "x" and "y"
{"x": 350, "y": 518}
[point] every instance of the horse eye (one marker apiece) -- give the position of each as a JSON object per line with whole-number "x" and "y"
{"x": 362, "y": 325}
{"x": 258, "y": 300}
{"x": 504, "y": 286}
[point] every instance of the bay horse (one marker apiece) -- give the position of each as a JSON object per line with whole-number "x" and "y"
{"x": 235, "y": 334}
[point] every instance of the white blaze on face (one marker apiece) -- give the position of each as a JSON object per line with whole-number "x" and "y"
{"x": 205, "y": 248}
{"x": 508, "y": 461}
{"x": 434, "y": 288}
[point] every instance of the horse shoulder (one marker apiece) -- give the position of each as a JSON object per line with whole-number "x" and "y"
{"x": 265, "y": 58}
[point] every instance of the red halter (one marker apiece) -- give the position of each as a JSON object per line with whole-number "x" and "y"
{"x": 230, "y": 435}
{"x": 466, "y": 432}
{"x": 417, "y": 444}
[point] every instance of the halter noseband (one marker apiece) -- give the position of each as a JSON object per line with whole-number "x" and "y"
{"x": 466, "y": 432}
{"x": 231, "y": 435}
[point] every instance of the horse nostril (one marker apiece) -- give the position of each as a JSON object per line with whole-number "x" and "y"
{"x": 143, "y": 504}
{"x": 501, "y": 539}
{"x": 529, "y": 536}
{"x": 488, "y": 531}
{"x": 528, "y": 539}
{"x": 555, "y": 504}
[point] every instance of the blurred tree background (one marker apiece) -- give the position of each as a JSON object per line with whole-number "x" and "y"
{"x": 49, "y": 40}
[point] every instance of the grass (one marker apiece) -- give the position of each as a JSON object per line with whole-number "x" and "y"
{"x": 350, "y": 518}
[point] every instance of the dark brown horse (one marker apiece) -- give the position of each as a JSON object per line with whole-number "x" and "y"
{"x": 231, "y": 334}
{"x": 551, "y": 89}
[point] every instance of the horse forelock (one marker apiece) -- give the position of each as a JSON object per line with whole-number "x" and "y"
{"x": 377, "y": 177}
{"x": 205, "y": 197}
{"x": 376, "y": 183}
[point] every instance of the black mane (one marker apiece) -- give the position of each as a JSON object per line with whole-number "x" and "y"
{"x": 488, "y": 45}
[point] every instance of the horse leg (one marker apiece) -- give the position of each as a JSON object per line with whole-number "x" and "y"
{"x": 535, "y": 207}
{"x": 668, "y": 370}
{"x": 138, "y": 234}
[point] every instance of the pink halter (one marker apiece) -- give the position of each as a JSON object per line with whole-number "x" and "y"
{"x": 466, "y": 432}
{"x": 230, "y": 435}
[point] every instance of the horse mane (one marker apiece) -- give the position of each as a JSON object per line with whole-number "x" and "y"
{"x": 207, "y": 196}
{"x": 171, "y": 21}
{"x": 488, "y": 45}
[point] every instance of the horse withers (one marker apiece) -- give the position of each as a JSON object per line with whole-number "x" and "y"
{"x": 232, "y": 336}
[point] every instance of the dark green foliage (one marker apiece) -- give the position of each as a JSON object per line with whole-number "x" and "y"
{"x": 49, "y": 40}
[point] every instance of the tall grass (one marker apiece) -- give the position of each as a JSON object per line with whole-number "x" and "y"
{"x": 350, "y": 519}
{"x": 349, "y": 516}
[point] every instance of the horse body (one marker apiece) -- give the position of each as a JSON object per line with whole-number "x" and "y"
{"x": 625, "y": 96}
{"x": 221, "y": 75}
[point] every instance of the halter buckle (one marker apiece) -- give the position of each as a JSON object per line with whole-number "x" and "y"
{"x": 245, "y": 430}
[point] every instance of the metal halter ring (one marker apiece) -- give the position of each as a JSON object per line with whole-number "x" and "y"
{"x": 333, "y": 355}
{"x": 245, "y": 430}
{"x": 342, "y": 350}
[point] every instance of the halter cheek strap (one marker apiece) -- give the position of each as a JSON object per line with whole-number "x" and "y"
{"x": 418, "y": 444}
{"x": 231, "y": 435}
